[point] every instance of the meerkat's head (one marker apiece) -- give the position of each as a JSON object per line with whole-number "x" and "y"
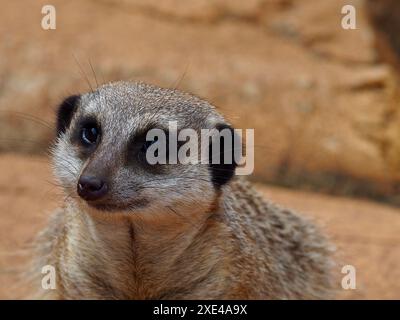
{"x": 99, "y": 155}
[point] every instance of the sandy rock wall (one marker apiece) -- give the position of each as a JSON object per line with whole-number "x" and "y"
{"x": 322, "y": 100}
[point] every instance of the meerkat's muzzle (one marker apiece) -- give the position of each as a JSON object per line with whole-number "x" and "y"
{"x": 91, "y": 188}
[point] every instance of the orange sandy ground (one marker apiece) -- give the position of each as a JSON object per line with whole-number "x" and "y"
{"x": 366, "y": 233}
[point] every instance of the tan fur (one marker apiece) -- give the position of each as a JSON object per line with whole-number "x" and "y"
{"x": 244, "y": 248}
{"x": 233, "y": 245}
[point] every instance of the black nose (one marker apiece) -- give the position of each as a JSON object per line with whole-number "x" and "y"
{"x": 91, "y": 188}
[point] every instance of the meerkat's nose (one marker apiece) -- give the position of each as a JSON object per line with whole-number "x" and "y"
{"x": 91, "y": 188}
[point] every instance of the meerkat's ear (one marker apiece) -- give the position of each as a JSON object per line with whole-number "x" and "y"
{"x": 65, "y": 112}
{"x": 223, "y": 171}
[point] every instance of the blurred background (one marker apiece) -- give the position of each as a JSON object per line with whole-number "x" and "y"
{"x": 324, "y": 103}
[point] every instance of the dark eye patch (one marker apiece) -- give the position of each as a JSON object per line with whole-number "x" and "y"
{"x": 147, "y": 144}
{"x": 138, "y": 145}
{"x": 137, "y": 148}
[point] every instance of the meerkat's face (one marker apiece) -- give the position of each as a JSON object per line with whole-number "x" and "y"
{"x": 99, "y": 155}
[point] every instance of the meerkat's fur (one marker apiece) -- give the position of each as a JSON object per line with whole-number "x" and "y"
{"x": 175, "y": 232}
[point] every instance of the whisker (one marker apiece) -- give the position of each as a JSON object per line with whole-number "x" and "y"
{"x": 27, "y": 116}
{"x": 180, "y": 79}
{"x": 83, "y": 73}
{"x": 94, "y": 73}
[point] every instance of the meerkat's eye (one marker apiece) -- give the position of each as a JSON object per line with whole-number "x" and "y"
{"x": 147, "y": 144}
{"x": 89, "y": 134}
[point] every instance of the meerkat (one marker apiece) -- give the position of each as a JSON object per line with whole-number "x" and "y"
{"x": 130, "y": 230}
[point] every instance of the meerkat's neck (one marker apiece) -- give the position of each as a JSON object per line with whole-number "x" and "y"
{"x": 143, "y": 258}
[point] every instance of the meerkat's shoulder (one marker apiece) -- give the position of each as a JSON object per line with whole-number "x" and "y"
{"x": 277, "y": 223}
{"x": 300, "y": 251}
